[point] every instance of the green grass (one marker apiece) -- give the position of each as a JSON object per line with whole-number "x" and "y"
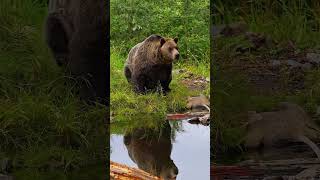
{"x": 126, "y": 104}
{"x": 45, "y": 130}
{"x": 142, "y": 121}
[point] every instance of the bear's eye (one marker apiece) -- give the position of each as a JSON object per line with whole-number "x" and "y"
{"x": 170, "y": 48}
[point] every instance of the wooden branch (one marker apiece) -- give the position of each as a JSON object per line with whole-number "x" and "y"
{"x": 123, "y": 172}
{"x": 186, "y": 116}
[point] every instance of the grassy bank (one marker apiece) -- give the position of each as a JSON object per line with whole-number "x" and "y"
{"x": 45, "y": 131}
{"x": 125, "y": 104}
{"x": 294, "y": 28}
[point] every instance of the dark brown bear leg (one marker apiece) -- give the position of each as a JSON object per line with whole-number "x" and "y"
{"x": 139, "y": 83}
{"x": 127, "y": 73}
{"x": 165, "y": 84}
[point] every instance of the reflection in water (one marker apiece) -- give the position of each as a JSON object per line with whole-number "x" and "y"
{"x": 148, "y": 146}
{"x": 150, "y": 149}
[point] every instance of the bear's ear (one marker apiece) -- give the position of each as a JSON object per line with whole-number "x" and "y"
{"x": 175, "y": 40}
{"x": 162, "y": 41}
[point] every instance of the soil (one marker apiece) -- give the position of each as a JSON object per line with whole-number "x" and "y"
{"x": 193, "y": 82}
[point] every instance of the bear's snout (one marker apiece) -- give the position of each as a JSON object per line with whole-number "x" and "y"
{"x": 177, "y": 56}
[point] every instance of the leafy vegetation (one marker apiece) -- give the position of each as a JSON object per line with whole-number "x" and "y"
{"x": 45, "y": 130}
{"x": 133, "y": 21}
{"x": 296, "y": 22}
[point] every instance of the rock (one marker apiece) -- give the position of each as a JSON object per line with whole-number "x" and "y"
{"x": 293, "y": 63}
{"x": 234, "y": 29}
{"x": 217, "y": 29}
{"x": 275, "y": 63}
{"x": 306, "y": 66}
{"x": 198, "y": 103}
{"x": 259, "y": 40}
{"x": 314, "y": 58}
{"x": 205, "y": 120}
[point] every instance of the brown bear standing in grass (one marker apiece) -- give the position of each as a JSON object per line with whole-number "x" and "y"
{"x": 77, "y": 35}
{"x": 149, "y": 63}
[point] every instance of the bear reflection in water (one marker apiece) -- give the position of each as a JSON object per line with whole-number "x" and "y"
{"x": 150, "y": 149}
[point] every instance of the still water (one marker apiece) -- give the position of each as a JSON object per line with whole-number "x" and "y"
{"x": 182, "y": 151}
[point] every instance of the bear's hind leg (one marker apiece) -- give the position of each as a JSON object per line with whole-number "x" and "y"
{"x": 127, "y": 73}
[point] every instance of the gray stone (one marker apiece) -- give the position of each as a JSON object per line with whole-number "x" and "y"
{"x": 275, "y": 63}
{"x": 314, "y": 58}
{"x": 293, "y": 63}
{"x": 217, "y": 29}
{"x": 306, "y": 66}
{"x": 228, "y": 30}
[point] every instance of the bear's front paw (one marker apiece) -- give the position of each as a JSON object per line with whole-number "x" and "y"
{"x": 140, "y": 90}
{"x": 166, "y": 91}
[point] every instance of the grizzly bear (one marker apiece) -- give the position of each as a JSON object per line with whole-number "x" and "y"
{"x": 151, "y": 149}
{"x": 77, "y": 33}
{"x": 149, "y": 63}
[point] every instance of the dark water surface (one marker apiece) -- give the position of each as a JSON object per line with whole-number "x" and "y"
{"x": 184, "y": 150}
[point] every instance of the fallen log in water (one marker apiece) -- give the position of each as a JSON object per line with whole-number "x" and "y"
{"x": 186, "y": 116}
{"x": 123, "y": 172}
{"x": 192, "y": 117}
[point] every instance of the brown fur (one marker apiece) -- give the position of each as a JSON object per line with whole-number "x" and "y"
{"x": 150, "y": 149}
{"x": 150, "y": 63}
{"x": 77, "y": 34}
{"x": 290, "y": 122}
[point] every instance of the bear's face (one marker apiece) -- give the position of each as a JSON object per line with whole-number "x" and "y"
{"x": 169, "y": 49}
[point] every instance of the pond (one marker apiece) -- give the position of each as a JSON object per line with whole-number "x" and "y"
{"x": 174, "y": 149}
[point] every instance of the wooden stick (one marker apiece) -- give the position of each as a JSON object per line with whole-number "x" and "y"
{"x": 122, "y": 172}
